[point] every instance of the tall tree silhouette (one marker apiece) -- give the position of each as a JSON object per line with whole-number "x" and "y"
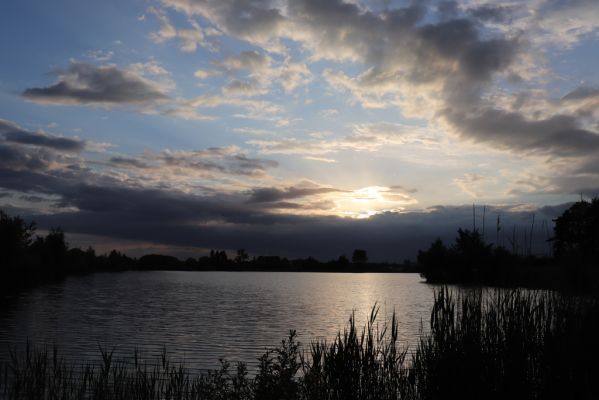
{"x": 15, "y": 237}
{"x": 576, "y": 233}
{"x": 359, "y": 256}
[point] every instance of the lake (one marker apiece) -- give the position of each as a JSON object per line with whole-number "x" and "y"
{"x": 200, "y": 317}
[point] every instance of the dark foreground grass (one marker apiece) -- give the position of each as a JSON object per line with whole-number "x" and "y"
{"x": 481, "y": 345}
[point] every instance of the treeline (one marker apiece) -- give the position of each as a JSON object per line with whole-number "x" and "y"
{"x": 574, "y": 263}
{"x": 30, "y": 259}
{"x": 218, "y": 260}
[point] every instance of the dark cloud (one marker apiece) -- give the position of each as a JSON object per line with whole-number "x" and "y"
{"x": 581, "y": 93}
{"x": 386, "y": 237}
{"x": 128, "y": 162}
{"x": 100, "y": 85}
{"x": 482, "y": 59}
{"x": 244, "y": 165}
{"x": 449, "y": 38}
{"x": 557, "y": 135}
{"x": 44, "y": 140}
{"x": 268, "y": 195}
{"x": 589, "y": 166}
{"x": 20, "y": 158}
{"x": 15, "y": 134}
{"x": 219, "y": 159}
{"x": 403, "y": 189}
{"x": 448, "y": 9}
{"x": 32, "y": 198}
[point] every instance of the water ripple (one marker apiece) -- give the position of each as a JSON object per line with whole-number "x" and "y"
{"x": 200, "y": 317}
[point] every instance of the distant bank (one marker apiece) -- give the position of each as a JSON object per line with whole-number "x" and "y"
{"x": 28, "y": 259}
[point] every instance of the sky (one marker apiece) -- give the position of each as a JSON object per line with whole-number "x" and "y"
{"x": 298, "y": 127}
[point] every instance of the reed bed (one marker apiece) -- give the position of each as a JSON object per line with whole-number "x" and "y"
{"x": 480, "y": 345}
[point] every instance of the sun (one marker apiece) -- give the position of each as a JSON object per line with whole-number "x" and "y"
{"x": 369, "y": 201}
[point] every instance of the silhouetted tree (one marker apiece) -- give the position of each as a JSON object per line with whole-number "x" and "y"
{"x": 158, "y": 261}
{"x": 242, "y": 256}
{"x": 576, "y": 233}
{"x": 191, "y": 262}
{"x": 342, "y": 261}
{"x": 15, "y": 237}
{"x": 473, "y": 255}
{"x": 434, "y": 262}
{"x": 218, "y": 258}
{"x": 53, "y": 252}
{"x": 359, "y": 256}
{"x": 470, "y": 259}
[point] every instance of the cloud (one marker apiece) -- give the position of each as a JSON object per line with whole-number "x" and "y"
{"x": 581, "y": 93}
{"x": 227, "y": 169}
{"x": 58, "y": 158}
{"x": 253, "y": 73}
{"x": 100, "y": 55}
{"x": 269, "y": 195}
{"x": 565, "y": 22}
{"x": 438, "y": 61}
{"x": 471, "y": 184}
{"x": 189, "y": 38}
{"x": 143, "y": 201}
{"x": 30, "y": 159}
{"x": 559, "y": 135}
{"x": 364, "y": 137}
{"x": 403, "y": 189}
{"x": 249, "y": 60}
{"x": 14, "y": 134}
{"x": 142, "y": 86}
{"x": 178, "y": 219}
{"x": 258, "y": 109}
{"x": 254, "y": 21}
{"x": 107, "y": 86}
{"x": 227, "y": 160}
{"x": 127, "y": 162}
{"x": 244, "y": 88}
{"x": 293, "y": 75}
{"x": 491, "y": 12}
{"x": 343, "y": 31}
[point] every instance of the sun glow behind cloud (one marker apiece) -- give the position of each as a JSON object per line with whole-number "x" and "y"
{"x": 372, "y": 200}
{"x": 360, "y": 203}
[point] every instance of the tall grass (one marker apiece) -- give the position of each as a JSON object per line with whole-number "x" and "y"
{"x": 357, "y": 365}
{"x": 516, "y": 344}
{"x": 480, "y": 345}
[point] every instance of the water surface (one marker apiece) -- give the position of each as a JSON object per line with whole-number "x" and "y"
{"x": 201, "y": 317}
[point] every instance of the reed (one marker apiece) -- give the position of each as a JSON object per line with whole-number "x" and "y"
{"x": 513, "y": 344}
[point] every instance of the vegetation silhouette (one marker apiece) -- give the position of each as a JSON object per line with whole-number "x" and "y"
{"x": 359, "y": 256}
{"x": 28, "y": 259}
{"x": 573, "y": 266}
{"x": 478, "y": 345}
